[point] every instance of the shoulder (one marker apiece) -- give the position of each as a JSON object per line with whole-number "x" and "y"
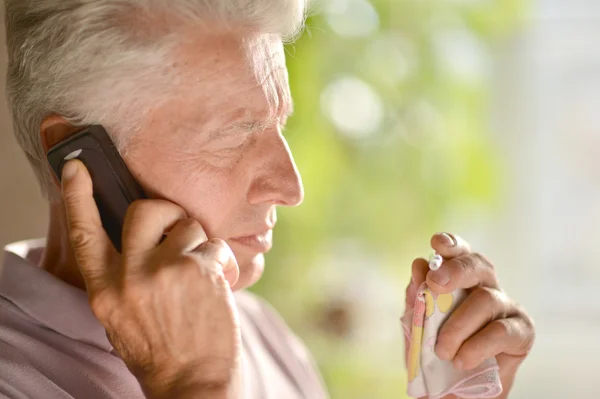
{"x": 37, "y": 362}
{"x": 19, "y": 377}
{"x": 283, "y": 345}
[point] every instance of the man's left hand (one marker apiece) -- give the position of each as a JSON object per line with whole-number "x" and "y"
{"x": 488, "y": 323}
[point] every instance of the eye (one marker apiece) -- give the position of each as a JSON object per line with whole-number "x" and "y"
{"x": 236, "y": 143}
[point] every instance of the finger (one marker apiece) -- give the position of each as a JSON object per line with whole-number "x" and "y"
{"x": 420, "y": 267}
{"x": 513, "y": 336}
{"x": 90, "y": 243}
{"x": 185, "y": 236}
{"x": 482, "y": 306}
{"x": 146, "y": 222}
{"x": 465, "y": 272}
{"x": 449, "y": 245}
{"x": 217, "y": 251}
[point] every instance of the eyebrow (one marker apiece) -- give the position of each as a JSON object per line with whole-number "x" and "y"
{"x": 256, "y": 123}
{"x": 246, "y": 119}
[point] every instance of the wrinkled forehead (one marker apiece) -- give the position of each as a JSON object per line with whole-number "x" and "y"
{"x": 264, "y": 57}
{"x": 230, "y": 73}
{"x": 266, "y": 64}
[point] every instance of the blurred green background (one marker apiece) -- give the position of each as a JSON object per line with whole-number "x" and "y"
{"x": 390, "y": 133}
{"x": 474, "y": 116}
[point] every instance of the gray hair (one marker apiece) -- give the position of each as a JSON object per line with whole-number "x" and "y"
{"x": 81, "y": 58}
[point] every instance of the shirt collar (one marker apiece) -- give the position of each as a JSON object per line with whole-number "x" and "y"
{"x": 52, "y": 302}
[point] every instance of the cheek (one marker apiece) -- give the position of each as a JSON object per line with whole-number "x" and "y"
{"x": 211, "y": 194}
{"x": 208, "y": 195}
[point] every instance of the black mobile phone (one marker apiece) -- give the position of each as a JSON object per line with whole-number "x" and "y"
{"x": 114, "y": 186}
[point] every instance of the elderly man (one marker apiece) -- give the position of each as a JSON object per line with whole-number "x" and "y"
{"x": 195, "y": 96}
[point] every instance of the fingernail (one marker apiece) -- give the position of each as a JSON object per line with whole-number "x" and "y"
{"x": 450, "y": 241}
{"x": 440, "y": 276}
{"x": 69, "y": 170}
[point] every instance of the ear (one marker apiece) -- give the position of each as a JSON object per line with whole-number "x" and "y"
{"x": 54, "y": 129}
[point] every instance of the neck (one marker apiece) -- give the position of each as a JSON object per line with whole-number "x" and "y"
{"x": 58, "y": 258}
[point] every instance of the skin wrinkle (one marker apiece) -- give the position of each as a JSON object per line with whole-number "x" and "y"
{"x": 231, "y": 183}
{"x": 268, "y": 82}
{"x": 271, "y": 80}
{"x": 233, "y": 190}
{"x": 221, "y": 157}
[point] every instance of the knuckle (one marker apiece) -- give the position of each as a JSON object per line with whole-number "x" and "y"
{"x": 81, "y": 236}
{"x": 483, "y": 266}
{"x": 529, "y": 341}
{"x": 504, "y": 327}
{"x": 483, "y": 260}
{"x": 187, "y": 227}
{"x": 169, "y": 207}
{"x": 139, "y": 208}
{"x": 100, "y": 306}
{"x": 529, "y": 330}
{"x": 189, "y": 223}
{"x": 74, "y": 193}
{"x": 137, "y": 212}
{"x": 448, "y": 337}
{"x": 484, "y": 295}
{"x": 491, "y": 301}
{"x": 463, "y": 264}
{"x": 71, "y": 198}
{"x": 529, "y": 322}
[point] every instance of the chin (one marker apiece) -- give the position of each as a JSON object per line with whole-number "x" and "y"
{"x": 251, "y": 270}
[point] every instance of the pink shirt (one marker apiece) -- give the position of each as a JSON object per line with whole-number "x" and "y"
{"x": 52, "y": 346}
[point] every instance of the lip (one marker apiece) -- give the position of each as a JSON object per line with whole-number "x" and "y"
{"x": 259, "y": 242}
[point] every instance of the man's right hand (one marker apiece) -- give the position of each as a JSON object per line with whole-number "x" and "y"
{"x": 167, "y": 305}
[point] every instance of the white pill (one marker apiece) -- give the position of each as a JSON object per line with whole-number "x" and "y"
{"x": 435, "y": 261}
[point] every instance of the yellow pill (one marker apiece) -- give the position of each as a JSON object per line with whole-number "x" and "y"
{"x": 444, "y": 302}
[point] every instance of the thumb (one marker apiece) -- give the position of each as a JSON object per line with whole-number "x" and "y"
{"x": 449, "y": 245}
{"x": 91, "y": 245}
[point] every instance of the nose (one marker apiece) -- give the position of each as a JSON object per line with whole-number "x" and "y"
{"x": 276, "y": 179}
